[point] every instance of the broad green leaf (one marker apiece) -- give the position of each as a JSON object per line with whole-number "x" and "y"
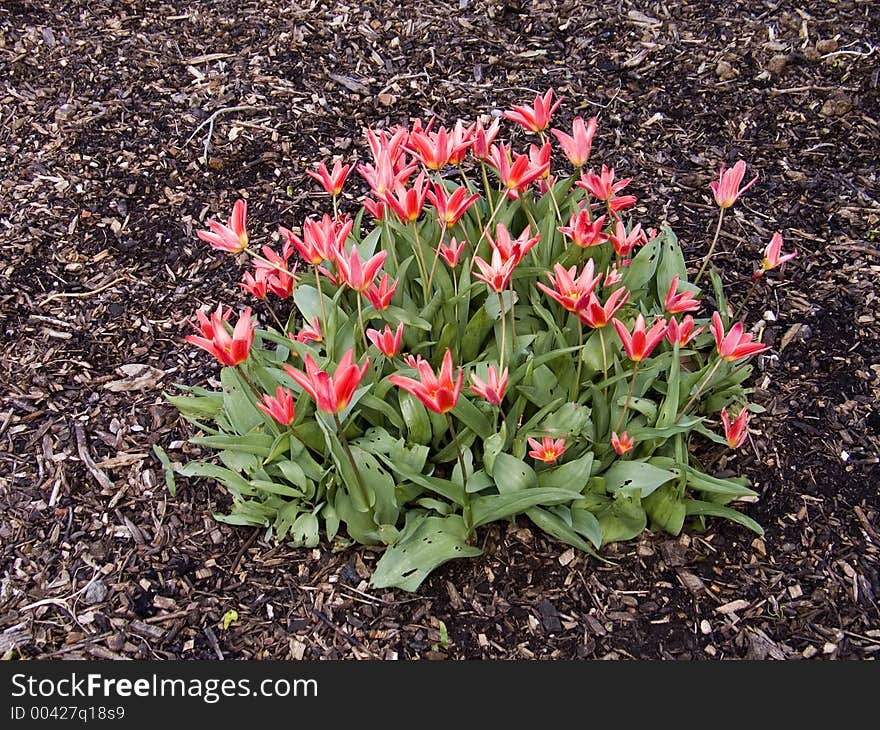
{"x": 501, "y": 506}
{"x": 622, "y": 518}
{"x": 415, "y": 416}
{"x": 671, "y": 264}
{"x": 645, "y": 476}
{"x": 471, "y": 416}
{"x": 585, "y": 523}
{"x": 696, "y": 507}
{"x": 573, "y": 475}
{"x": 556, "y": 527}
{"x": 425, "y": 543}
{"x": 666, "y": 509}
{"x": 512, "y": 474}
{"x": 235, "y": 483}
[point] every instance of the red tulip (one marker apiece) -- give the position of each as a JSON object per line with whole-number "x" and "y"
{"x": 450, "y": 208}
{"x": 332, "y": 182}
{"x": 623, "y": 443}
{"x": 625, "y": 242}
{"x": 387, "y": 342}
{"x": 321, "y": 239}
{"x": 547, "y": 450}
{"x": 280, "y": 407}
{"x": 584, "y": 232}
{"x": 682, "y": 333}
{"x": 640, "y": 343}
{"x": 677, "y": 303}
{"x": 492, "y": 390}
{"x": 228, "y": 349}
{"x": 232, "y": 237}
{"x": 310, "y": 332}
{"x": 516, "y": 175}
{"x": 496, "y": 274}
{"x": 256, "y": 284}
{"x": 483, "y": 138}
{"x": 358, "y": 275}
{"x": 380, "y": 296}
{"x": 727, "y": 188}
{"x": 577, "y": 146}
{"x": 511, "y": 248}
{"x": 375, "y": 208}
{"x": 772, "y": 257}
{"x": 331, "y": 394}
{"x": 735, "y": 433}
{"x": 736, "y": 344}
{"x": 597, "y": 315}
{"x": 434, "y": 149}
{"x": 570, "y": 290}
{"x": 439, "y": 394}
{"x": 407, "y": 203}
{"x": 539, "y": 158}
{"x": 535, "y": 118}
{"x": 602, "y": 186}
{"x": 451, "y": 252}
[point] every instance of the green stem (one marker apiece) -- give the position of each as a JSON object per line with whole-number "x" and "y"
{"x": 393, "y": 245}
{"x": 748, "y": 296}
{"x": 466, "y": 499}
{"x": 604, "y": 354}
{"x": 503, "y": 331}
{"x": 711, "y": 247}
{"x": 629, "y": 395}
{"x": 437, "y": 254}
{"x": 699, "y": 390}
{"x": 347, "y": 449}
{"x": 576, "y": 386}
{"x": 361, "y": 322}
{"x": 247, "y": 380}
{"x": 335, "y": 208}
{"x": 421, "y": 259}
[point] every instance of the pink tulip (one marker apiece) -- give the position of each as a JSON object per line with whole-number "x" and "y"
{"x": 772, "y": 254}
{"x": 493, "y": 389}
{"x": 727, "y": 188}
{"x": 623, "y": 443}
{"x": 577, "y": 146}
{"x": 497, "y": 273}
{"x": 331, "y": 394}
{"x": 228, "y": 349}
{"x": 450, "y": 208}
{"x": 736, "y": 344}
{"x": 584, "y": 232}
{"x": 232, "y": 237}
{"x": 682, "y": 333}
{"x": 570, "y": 290}
{"x": 387, "y": 342}
{"x": 332, "y": 182}
{"x": 602, "y": 186}
{"x": 677, "y": 303}
{"x": 438, "y": 394}
{"x": 380, "y": 296}
{"x": 735, "y": 433}
{"x": 596, "y": 315}
{"x": 280, "y": 407}
{"x": 535, "y": 118}
{"x": 547, "y": 449}
{"x": 640, "y": 343}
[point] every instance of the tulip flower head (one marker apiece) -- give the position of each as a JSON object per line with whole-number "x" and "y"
{"x": 484, "y": 137}
{"x": 735, "y": 433}
{"x": 571, "y": 291}
{"x": 682, "y": 333}
{"x": 497, "y": 273}
{"x": 493, "y": 389}
{"x": 332, "y": 182}
{"x": 280, "y": 407}
{"x": 596, "y": 315}
{"x": 229, "y": 349}
{"x": 450, "y": 208}
{"x": 438, "y": 393}
{"x": 535, "y": 118}
{"x": 622, "y": 443}
{"x": 547, "y": 449}
{"x": 584, "y": 232}
{"x": 726, "y": 188}
{"x": 331, "y": 394}
{"x": 451, "y": 252}
{"x": 625, "y": 242}
{"x": 509, "y": 247}
{"x": 387, "y": 342}
{"x": 736, "y": 344}
{"x": 602, "y": 186}
{"x": 407, "y": 203}
{"x": 358, "y": 275}
{"x": 380, "y": 296}
{"x": 232, "y": 237}
{"x": 310, "y": 332}
{"x": 640, "y": 343}
{"x": 773, "y": 254}
{"x": 256, "y": 284}
{"x": 678, "y": 303}
{"x": 577, "y": 146}
{"x": 515, "y": 174}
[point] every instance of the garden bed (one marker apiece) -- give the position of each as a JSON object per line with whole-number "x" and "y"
{"x": 107, "y": 112}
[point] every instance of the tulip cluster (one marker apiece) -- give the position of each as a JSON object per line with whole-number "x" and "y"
{"x": 346, "y": 406}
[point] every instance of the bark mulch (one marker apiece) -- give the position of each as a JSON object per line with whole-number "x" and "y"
{"x": 123, "y": 124}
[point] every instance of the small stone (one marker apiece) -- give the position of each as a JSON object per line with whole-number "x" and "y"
{"x": 705, "y": 627}
{"x": 95, "y": 593}
{"x": 826, "y": 45}
{"x": 725, "y": 71}
{"x": 829, "y": 648}
{"x": 777, "y": 64}
{"x": 809, "y": 652}
{"x": 836, "y": 105}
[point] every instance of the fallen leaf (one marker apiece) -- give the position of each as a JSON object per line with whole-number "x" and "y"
{"x": 137, "y": 377}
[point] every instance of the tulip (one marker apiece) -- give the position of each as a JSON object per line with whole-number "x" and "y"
{"x": 321, "y": 239}
{"x": 438, "y": 394}
{"x": 772, "y": 257}
{"x": 570, "y": 290}
{"x": 584, "y": 232}
{"x": 232, "y": 237}
{"x": 228, "y": 349}
{"x": 279, "y": 407}
{"x": 678, "y": 303}
{"x": 497, "y": 273}
{"x": 434, "y": 149}
{"x": 537, "y": 117}
{"x": 640, "y": 343}
{"x": 547, "y": 450}
{"x": 597, "y": 315}
{"x": 682, "y": 333}
{"x": 256, "y": 284}
{"x": 380, "y": 296}
{"x": 623, "y": 443}
{"x": 625, "y": 242}
{"x": 310, "y": 332}
{"x": 407, "y": 203}
{"x": 736, "y": 344}
{"x": 577, "y": 146}
{"x": 332, "y": 182}
{"x": 387, "y": 173}
{"x": 492, "y": 390}
{"x": 450, "y": 208}
{"x": 483, "y": 138}
{"x": 450, "y": 252}
{"x": 612, "y": 277}
{"x": 279, "y": 279}
{"x": 359, "y": 275}
{"x": 331, "y": 394}
{"x": 461, "y": 140}
{"x": 602, "y": 186}
{"x": 735, "y": 433}
{"x": 516, "y": 176}
{"x": 511, "y": 248}
{"x": 375, "y": 208}
{"x": 727, "y": 188}
{"x": 387, "y": 342}
{"x": 539, "y": 158}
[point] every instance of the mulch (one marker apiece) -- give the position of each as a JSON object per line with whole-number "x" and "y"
{"x": 125, "y": 123}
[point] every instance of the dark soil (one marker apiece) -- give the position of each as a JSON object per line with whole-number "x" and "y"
{"x": 103, "y": 186}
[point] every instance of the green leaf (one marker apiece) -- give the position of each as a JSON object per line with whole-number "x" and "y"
{"x": 622, "y": 518}
{"x": 697, "y": 507}
{"x": 671, "y": 264}
{"x": 643, "y": 266}
{"x": 416, "y": 418}
{"x": 501, "y": 506}
{"x": 170, "y": 482}
{"x": 445, "y": 488}
{"x": 243, "y": 415}
{"x": 425, "y": 543}
{"x": 585, "y": 523}
{"x": 666, "y": 509}
{"x": 512, "y": 474}
{"x": 556, "y": 527}
{"x": 304, "y": 531}
{"x": 258, "y": 444}
{"x": 573, "y": 475}
{"x": 471, "y": 416}
{"x": 235, "y": 483}
{"x": 395, "y": 315}
{"x": 645, "y": 476}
